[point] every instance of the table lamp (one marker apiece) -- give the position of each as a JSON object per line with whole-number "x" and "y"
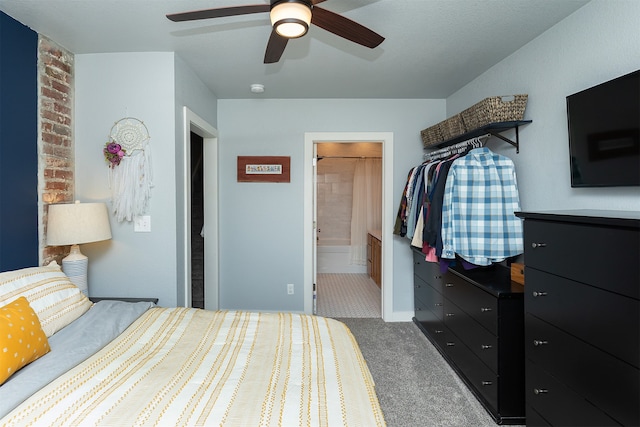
{"x": 74, "y": 224}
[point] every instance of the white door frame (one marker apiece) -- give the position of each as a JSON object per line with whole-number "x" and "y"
{"x": 386, "y": 138}
{"x": 193, "y": 123}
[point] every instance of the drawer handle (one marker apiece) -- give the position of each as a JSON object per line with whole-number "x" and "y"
{"x": 486, "y": 383}
{"x": 485, "y": 309}
{"x": 438, "y": 331}
{"x": 538, "y": 343}
{"x": 417, "y": 286}
{"x": 437, "y": 277}
{"x": 449, "y": 285}
{"x": 450, "y": 314}
{"x": 418, "y": 309}
{"x": 451, "y": 344}
{"x": 538, "y": 245}
{"x": 539, "y": 294}
{"x": 540, "y": 391}
{"x": 438, "y": 304}
{"x": 485, "y": 346}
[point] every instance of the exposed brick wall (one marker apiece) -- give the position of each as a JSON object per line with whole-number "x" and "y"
{"x": 55, "y": 142}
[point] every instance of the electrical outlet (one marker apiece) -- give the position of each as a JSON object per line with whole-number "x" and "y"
{"x": 290, "y": 288}
{"x": 142, "y": 224}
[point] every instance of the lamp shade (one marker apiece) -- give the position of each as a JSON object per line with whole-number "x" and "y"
{"x": 77, "y": 223}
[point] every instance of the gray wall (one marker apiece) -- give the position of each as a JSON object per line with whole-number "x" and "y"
{"x": 142, "y": 85}
{"x": 261, "y": 234}
{"x": 597, "y": 43}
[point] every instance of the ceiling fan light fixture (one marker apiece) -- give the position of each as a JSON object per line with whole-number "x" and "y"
{"x": 291, "y": 18}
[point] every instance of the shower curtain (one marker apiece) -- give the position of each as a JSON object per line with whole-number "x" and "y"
{"x": 366, "y": 212}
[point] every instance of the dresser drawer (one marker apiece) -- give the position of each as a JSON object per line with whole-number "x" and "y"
{"x": 606, "y": 257}
{"x": 482, "y": 342}
{"x": 480, "y": 305}
{"x": 480, "y": 377}
{"x": 424, "y": 314}
{"x": 438, "y": 334}
{"x": 431, "y": 298}
{"x": 427, "y": 271}
{"x": 604, "y": 319}
{"x": 558, "y": 404}
{"x": 602, "y": 379}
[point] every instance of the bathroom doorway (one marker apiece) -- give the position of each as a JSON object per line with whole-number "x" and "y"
{"x": 348, "y": 210}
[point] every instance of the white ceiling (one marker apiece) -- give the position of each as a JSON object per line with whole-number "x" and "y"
{"x": 432, "y": 47}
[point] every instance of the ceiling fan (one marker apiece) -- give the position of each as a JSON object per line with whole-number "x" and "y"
{"x": 290, "y": 19}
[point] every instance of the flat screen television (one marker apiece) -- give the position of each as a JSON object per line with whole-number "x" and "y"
{"x": 604, "y": 133}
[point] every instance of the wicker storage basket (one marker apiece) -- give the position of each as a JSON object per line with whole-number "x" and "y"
{"x": 431, "y": 136}
{"x": 494, "y": 109}
{"x": 452, "y": 127}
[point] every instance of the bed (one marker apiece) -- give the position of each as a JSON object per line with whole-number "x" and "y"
{"x": 115, "y": 363}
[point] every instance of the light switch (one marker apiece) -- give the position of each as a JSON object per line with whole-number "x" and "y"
{"x": 142, "y": 224}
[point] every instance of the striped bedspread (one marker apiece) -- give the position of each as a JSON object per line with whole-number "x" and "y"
{"x": 185, "y": 366}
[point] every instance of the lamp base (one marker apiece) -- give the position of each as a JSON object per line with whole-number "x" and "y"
{"x": 75, "y": 267}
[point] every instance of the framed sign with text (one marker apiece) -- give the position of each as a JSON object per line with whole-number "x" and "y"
{"x": 264, "y": 168}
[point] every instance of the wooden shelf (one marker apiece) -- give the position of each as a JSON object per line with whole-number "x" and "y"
{"x": 495, "y": 129}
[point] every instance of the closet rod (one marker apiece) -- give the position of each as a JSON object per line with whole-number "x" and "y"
{"x": 348, "y": 157}
{"x": 456, "y": 148}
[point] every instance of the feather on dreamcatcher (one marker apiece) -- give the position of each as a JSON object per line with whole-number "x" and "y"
{"x": 130, "y": 173}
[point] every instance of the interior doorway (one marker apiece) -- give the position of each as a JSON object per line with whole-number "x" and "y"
{"x": 348, "y": 211}
{"x": 197, "y": 221}
{"x": 310, "y": 221}
{"x": 206, "y": 229}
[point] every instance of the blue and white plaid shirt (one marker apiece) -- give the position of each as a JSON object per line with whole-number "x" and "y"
{"x": 480, "y": 198}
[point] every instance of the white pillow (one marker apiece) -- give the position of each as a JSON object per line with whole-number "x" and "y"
{"x": 53, "y": 297}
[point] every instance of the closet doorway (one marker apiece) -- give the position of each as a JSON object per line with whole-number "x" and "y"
{"x": 197, "y": 221}
{"x": 198, "y": 262}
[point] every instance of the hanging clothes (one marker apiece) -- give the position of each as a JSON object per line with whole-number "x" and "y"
{"x": 480, "y": 198}
{"x": 400, "y": 227}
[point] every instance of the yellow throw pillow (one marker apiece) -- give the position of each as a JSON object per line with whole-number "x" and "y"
{"x": 22, "y": 340}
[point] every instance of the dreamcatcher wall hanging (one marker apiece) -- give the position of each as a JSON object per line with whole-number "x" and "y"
{"x": 128, "y": 155}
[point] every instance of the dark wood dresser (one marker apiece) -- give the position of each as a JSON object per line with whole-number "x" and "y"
{"x": 582, "y": 321}
{"x": 475, "y": 319}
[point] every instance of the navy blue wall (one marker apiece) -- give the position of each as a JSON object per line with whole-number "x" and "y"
{"x": 18, "y": 145}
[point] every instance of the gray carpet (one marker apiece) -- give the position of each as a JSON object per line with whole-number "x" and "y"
{"x": 415, "y": 386}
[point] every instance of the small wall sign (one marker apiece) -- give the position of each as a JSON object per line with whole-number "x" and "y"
{"x": 264, "y": 168}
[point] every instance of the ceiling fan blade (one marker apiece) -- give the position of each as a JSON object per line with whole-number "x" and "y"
{"x": 345, "y": 27}
{"x": 275, "y": 47}
{"x": 314, "y": 2}
{"x": 219, "y": 13}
